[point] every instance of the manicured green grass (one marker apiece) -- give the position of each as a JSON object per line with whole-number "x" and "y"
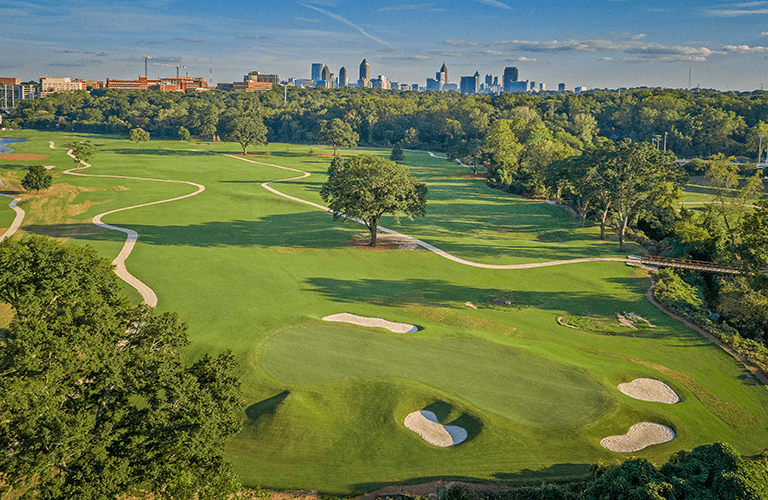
{"x": 324, "y": 403}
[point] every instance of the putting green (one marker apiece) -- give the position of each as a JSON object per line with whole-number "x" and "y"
{"x": 525, "y": 389}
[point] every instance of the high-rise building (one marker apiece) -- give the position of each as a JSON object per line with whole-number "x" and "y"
{"x": 561, "y": 87}
{"x": 325, "y": 74}
{"x": 365, "y": 74}
{"x": 510, "y": 75}
{"x": 382, "y": 82}
{"x": 343, "y": 77}
{"x": 442, "y": 76}
{"x": 488, "y": 80}
{"x": 433, "y": 84}
{"x": 470, "y": 84}
{"x": 317, "y": 68}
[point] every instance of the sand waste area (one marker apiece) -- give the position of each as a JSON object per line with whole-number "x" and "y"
{"x": 425, "y": 424}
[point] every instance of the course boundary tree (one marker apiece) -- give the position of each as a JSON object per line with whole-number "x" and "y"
{"x": 37, "y": 178}
{"x": 82, "y": 151}
{"x": 138, "y": 135}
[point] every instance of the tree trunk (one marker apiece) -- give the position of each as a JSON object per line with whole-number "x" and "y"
{"x": 623, "y": 223}
{"x": 602, "y": 221}
{"x": 334, "y": 149}
{"x": 373, "y": 225}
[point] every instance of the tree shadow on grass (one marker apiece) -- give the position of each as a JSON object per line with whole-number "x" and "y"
{"x": 558, "y": 473}
{"x": 158, "y": 152}
{"x": 300, "y": 230}
{"x": 469, "y": 423}
{"x": 266, "y": 407}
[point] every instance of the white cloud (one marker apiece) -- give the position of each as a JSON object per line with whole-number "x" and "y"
{"x": 744, "y": 49}
{"x": 460, "y": 43}
{"x": 495, "y": 3}
{"x": 417, "y": 6}
{"x": 739, "y": 9}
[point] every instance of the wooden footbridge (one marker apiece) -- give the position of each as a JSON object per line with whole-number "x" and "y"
{"x": 653, "y": 261}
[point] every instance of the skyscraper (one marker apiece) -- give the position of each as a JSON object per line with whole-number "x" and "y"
{"x": 365, "y": 74}
{"x": 325, "y": 74}
{"x": 317, "y": 68}
{"x": 510, "y": 75}
{"x": 442, "y": 76}
{"x": 343, "y": 77}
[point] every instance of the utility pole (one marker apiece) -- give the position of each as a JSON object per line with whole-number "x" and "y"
{"x": 665, "y": 141}
{"x": 146, "y": 74}
{"x": 760, "y": 148}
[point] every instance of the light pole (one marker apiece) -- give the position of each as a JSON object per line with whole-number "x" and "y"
{"x": 658, "y": 141}
{"x": 760, "y": 148}
{"x": 665, "y": 141}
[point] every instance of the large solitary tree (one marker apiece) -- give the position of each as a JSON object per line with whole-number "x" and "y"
{"x": 96, "y": 401}
{"x": 366, "y": 187}
{"x": 249, "y": 131}
{"x": 337, "y": 133}
{"x": 37, "y": 178}
{"x": 138, "y": 135}
{"x": 81, "y": 151}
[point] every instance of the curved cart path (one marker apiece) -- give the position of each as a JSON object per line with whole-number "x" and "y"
{"x": 16, "y": 224}
{"x": 416, "y": 241}
{"x": 147, "y": 294}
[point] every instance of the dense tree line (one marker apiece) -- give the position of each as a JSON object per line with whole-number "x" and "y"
{"x": 700, "y": 123}
{"x": 708, "y": 472}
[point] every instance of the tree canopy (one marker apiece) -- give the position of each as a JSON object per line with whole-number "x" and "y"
{"x": 82, "y": 151}
{"x": 337, "y": 133}
{"x": 37, "y": 178}
{"x": 249, "y": 131}
{"x": 366, "y": 187}
{"x": 97, "y": 402}
{"x": 138, "y": 135}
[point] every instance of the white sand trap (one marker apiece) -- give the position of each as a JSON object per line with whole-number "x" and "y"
{"x": 425, "y": 424}
{"x": 635, "y": 316}
{"x": 648, "y": 389}
{"x": 640, "y": 436}
{"x": 50, "y": 167}
{"x": 373, "y": 322}
{"x": 470, "y": 304}
{"x": 625, "y": 321}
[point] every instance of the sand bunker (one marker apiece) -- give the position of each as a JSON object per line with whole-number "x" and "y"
{"x": 374, "y": 322}
{"x": 425, "y": 424}
{"x": 648, "y": 389}
{"x": 640, "y": 436}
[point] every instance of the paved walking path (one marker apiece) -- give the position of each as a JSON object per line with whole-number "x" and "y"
{"x": 147, "y": 294}
{"x": 416, "y": 241}
{"x": 16, "y": 224}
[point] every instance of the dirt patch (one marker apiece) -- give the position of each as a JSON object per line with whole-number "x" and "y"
{"x": 23, "y": 157}
{"x": 474, "y": 177}
{"x": 384, "y": 242}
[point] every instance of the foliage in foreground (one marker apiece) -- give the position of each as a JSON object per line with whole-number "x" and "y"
{"x": 708, "y": 472}
{"x": 96, "y": 402}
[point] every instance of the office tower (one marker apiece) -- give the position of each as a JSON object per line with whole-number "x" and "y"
{"x": 442, "y": 76}
{"x": 470, "y": 84}
{"x": 325, "y": 74}
{"x": 510, "y": 75}
{"x": 343, "y": 78}
{"x": 317, "y": 68}
{"x": 561, "y": 87}
{"x": 488, "y": 80}
{"x": 365, "y": 71}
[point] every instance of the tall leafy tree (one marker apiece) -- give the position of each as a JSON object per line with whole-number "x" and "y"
{"x": 731, "y": 197}
{"x": 82, "y": 151}
{"x": 37, "y": 178}
{"x": 337, "y": 134}
{"x": 97, "y": 402}
{"x": 138, "y": 135}
{"x": 638, "y": 175}
{"x": 249, "y": 130}
{"x": 366, "y": 187}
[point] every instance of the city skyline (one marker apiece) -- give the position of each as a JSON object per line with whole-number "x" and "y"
{"x": 604, "y": 44}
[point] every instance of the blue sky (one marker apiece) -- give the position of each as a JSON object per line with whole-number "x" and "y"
{"x": 595, "y": 44}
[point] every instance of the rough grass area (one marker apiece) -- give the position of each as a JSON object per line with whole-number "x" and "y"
{"x": 324, "y": 404}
